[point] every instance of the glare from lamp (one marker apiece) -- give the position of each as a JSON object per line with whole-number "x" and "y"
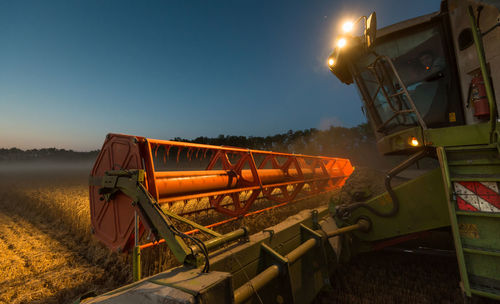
{"x": 331, "y": 61}
{"x": 347, "y": 26}
{"x": 341, "y": 42}
{"x": 414, "y": 142}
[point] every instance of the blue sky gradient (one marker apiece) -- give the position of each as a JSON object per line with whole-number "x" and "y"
{"x": 73, "y": 71}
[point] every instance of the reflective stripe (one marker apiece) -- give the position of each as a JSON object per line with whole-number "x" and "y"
{"x": 465, "y": 206}
{"x": 480, "y": 196}
{"x": 485, "y": 192}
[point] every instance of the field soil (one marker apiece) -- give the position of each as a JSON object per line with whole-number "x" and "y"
{"x": 47, "y": 254}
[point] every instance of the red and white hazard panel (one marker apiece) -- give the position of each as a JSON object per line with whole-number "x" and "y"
{"x": 477, "y": 196}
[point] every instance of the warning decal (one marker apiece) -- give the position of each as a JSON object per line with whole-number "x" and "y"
{"x": 468, "y": 231}
{"x": 477, "y": 196}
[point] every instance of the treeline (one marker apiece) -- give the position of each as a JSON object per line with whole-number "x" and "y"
{"x": 46, "y": 154}
{"x": 357, "y": 144}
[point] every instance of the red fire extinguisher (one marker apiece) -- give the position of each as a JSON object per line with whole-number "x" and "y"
{"x": 477, "y": 95}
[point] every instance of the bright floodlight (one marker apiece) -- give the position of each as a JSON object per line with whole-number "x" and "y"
{"x": 341, "y": 42}
{"x": 347, "y": 26}
{"x": 331, "y": 62}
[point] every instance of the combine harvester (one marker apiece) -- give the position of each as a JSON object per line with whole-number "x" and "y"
{"x": 428, "y": 87}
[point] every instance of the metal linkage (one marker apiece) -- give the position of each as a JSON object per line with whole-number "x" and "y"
{"x": 248, "y": 289}
{"x": 362, "y": 225}
{"x": 129, "y": 183}
{"x": 345, "y": 210}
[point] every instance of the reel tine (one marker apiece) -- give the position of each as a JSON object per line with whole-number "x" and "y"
{"x": 179, "y": 149}
{"x": 156, "y": 150}
{"x": 168, "y": 151}
{"x": 184, "y": 202}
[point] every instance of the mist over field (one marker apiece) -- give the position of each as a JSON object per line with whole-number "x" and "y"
{"x": 358, "y": 144}
{"x": 44, "y": 166}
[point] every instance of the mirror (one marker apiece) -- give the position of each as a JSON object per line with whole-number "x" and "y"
{"x": 434, "y": 77}
{"x": 465, "y": 39}
{"x": 371, "y": 30}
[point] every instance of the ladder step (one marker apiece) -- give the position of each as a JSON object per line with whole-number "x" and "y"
{"x": 490, "y": 147}
{"x": 475, "y": 165}
{"x": 477, "y": 213}
{"x": 485, "y": 286}
{"x": 475, "y": 178}
{"x": 483, "y": 251}
{"x": 472, "y": 162}
{"x": 486, "y": 292}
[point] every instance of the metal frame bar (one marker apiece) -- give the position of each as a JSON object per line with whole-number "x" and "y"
{"x": 441, "y": 153}
{"x": 247, "y": 290}
{"x": 136, "y": 255}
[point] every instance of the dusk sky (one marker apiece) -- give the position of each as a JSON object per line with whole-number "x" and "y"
{"x": 73, "y": 71}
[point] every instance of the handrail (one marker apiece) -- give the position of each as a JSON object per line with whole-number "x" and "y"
{"x": 414, "y": 109}
{"x": 484, "y": 71}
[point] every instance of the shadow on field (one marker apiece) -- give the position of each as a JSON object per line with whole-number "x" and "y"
{"x": 389, "y": 277}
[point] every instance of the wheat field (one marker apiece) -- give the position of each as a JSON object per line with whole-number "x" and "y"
{"x": 48, "y": 255}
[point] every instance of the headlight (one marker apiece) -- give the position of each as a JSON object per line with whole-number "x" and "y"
{"x": 341, "y": 42}
{"x": 347, "y": 26}
{"x": 414, "y": 142}
{"x": 331, "y": 61}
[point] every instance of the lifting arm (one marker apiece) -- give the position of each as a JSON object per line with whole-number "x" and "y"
{"x": 129, "y": 182}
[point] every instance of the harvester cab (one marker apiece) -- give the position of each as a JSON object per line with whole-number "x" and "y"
{"x": 428, "y": 86}
{"x": 423, "y": 77}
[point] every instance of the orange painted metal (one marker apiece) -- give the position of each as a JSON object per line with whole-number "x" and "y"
{"x": 113, "y": 222}
{"x": 174, "y": 184}
{"x": 232, "y": 179}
